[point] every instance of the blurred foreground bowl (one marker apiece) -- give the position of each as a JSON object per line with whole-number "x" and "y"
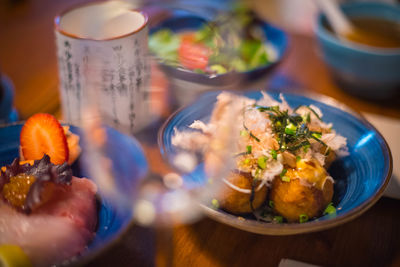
{"x": 362, "y": 70}
{"x": 187, "y": 84}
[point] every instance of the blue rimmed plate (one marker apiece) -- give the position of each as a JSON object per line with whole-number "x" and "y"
{"x": 129, "y": 166}
{"x": 360, "y": 178}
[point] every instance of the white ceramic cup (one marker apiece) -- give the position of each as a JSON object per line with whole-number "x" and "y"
{"x": 103, "y": 46}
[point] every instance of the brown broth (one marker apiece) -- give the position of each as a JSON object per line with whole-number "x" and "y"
{"x": 375, "y": 32}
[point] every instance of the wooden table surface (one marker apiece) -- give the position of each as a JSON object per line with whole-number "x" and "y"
{"x": 27, "y": 56}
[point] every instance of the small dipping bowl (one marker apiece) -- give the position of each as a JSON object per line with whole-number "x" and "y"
{"x": 187, "y": 84}
{"x": 362, "y": 70}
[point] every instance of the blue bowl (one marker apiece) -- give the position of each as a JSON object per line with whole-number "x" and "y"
{"x": 363, "y": 70}
{"x": 8, "y": 113}
{"x": 360, "y": 178}
{"x": 184, "y": 21}
{"x": 129, "y": 167}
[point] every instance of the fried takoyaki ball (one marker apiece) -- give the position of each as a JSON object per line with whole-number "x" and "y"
{"x": 330, "y": 157}
{"x": 308, "y": 192}
{"x": 233, "y": 200}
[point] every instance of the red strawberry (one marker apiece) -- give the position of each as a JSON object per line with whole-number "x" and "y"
{"x": 43, "y": 134}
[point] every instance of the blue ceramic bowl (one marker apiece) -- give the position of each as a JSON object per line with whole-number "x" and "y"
{"x": 360, "y": 178}
{"x": 8, "y": 113}
{"x": 184, "y": 21}
{"x": 129, "y": 166}
{"x": 363, "y": 70}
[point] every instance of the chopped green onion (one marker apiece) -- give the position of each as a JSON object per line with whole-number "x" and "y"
{"x": 291, "y": 129}
{"x": 284, "y": 171}
{"x": 215, "y": 203}
{"x": 244, "y": 133}
{"x": 262, "y": 162}
{"x": 271, "y": 204}
{"x": 298, "y": 158}
{"x": 278, "y": 124}
{"x": 246, "y": 161}
{"x": 330, "y": 209}
{"x": 317, "y": 135}
{"x": 285, "y": 179}
{"x": 303, "y": 218}
{"x": 249, "y": 149}
{"x": 258, "y": 171}
{"x": 278, "y": 219}
{"x": 274, "y": 154}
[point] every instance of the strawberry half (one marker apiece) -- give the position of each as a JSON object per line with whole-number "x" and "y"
{"x": 43, "y": 134}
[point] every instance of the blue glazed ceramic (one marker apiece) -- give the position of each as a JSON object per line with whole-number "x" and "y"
{"x": 129, "y": 166}
{"x": 360, "y": 178}
{"x": 8, "y": 113}
{"x": 184, "y": 21}
{"x": 363, "y": 70}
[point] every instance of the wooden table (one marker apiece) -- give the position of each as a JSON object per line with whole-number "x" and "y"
{"x": 27, "y": 56}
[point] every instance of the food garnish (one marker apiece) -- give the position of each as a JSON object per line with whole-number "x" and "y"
{"x": 286, "y": 151}
{"x": 292, "y": 130}
{"x": 43, "y": 134}
{"x": 330, "y": 209}
{"x": 303, "y": 218}
{"x": 22, "y": 186}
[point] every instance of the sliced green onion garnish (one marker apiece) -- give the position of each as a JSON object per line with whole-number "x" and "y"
{"x": 330, "y": 209}
{"x": 262, "y": 162}
{"x": 215, "y": 203}
{"x": 246, "y": 161}
{"x": 274, "y": 155}
{"x": 249, "y": 149}
{"x": 303, "y": 218}
{"x": 284, "y": 171}
{"x": 244, "y": 133}
{"x": 286, "y": 179}
{"x": 278, "y": 219}
{"x": 298, "y": 158}
{"x": 271, "y": 204}
{"x": 291, "y": 129}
